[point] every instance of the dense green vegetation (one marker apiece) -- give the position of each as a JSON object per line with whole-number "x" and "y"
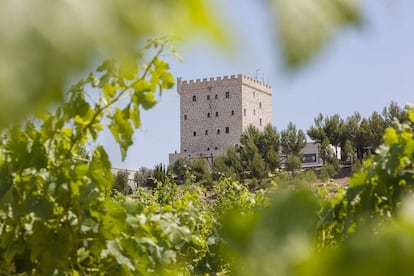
{"x": 60, "y": 213}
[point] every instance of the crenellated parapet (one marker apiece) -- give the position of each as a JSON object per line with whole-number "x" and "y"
{"x": 221, "y": 81}
{"x": 257, "y": 84}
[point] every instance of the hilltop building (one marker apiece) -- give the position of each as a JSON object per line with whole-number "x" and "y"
{"x": 214, "y": 112}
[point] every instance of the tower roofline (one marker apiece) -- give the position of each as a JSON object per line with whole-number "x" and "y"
{"x": 215, "y": 80}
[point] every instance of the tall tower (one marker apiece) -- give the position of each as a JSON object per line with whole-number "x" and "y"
{"x": 214, "y": 112}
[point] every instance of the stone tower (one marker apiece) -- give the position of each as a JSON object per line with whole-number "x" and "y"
{"x": 214, "y": 112}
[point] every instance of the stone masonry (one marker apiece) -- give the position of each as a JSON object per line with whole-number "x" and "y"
{"x": 214, "y": 112}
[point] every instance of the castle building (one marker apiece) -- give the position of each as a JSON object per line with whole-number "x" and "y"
{"x": 214, "y": 112}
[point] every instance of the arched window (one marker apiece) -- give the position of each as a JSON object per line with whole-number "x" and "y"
{"x": 194, "y": 98}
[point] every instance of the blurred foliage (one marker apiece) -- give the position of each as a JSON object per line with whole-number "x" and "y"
{"x": 304, "y": 27}
{"x": 327, "y": 171}
{"x": 58, "y": 215}
{"x": 44, "y": 44}
{"x": 377, "y": 190}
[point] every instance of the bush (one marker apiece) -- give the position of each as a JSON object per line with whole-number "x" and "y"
{"x": 293, "y": 163}
{"x": 356, "y": 166}
{"x": 121, "y": 182}
{"x": 327, "y": 171}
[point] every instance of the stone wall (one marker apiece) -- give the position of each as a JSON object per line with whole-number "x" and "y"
{"x": 257, "y": 104}
{"x": 215, "y": 111}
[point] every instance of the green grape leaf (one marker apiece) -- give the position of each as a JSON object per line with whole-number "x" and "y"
{"x": 112, "y": 249}
{"x": 121, "y": 129}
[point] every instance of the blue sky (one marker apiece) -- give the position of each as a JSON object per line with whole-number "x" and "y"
{"x": 361, "y": 69}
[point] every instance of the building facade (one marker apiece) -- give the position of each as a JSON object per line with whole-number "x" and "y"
{"x": 214, "y": 112}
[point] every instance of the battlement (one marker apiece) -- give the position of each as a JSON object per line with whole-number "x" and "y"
{"x": 255, "y": 83}
{"x": 222, "y": 80}
{"x": 216, "y": 79}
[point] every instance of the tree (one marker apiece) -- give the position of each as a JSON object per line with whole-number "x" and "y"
{"x": 365, "y": 134}
{"x": 121, "y": 182}
{"x": 293, "y": 163}
{"x": 376, "y": 128}
{"x": 160, "y": 173}
{"x": 142, "y": 175}
{"x": 327, "y": 171}
{"x": 393, "y": 113}
{"x": 325, "y": 151}
{"x": 331, "y": 128}
{"x": 228, "y": 164}
{"x": 180, "y": 169}
{"x": 355, "y": 130}
{"x": 317, "y": 132}
{"x": 334, "y": 127}
{"x": 348, "y": 152}
{"x": 269, "y": 143}
{"x": 250, "y": 157}
{"x": 200, "y": 170}
{"x": 292, "y": 140}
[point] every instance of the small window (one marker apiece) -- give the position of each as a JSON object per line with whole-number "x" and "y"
{"x": 208, "y": 115}
{"x": 215, "y": 148}
{"x": 244, "y": 112}
{"x": 194, "y": 133}
{"x": 208, "y": 148}
{"x": 194, "y": 98}
{"x": 254, "y": 94}
{"x": 216, "y": 114}
{"x": 185, "y": 117}
{"x": 260, "y": 121}
{"x": 218, "y": 131}
{"x": 208, "y": 97}
{"x": 309, "y": 158}
{"x": 206, "y": 132}
{"x": 232, "y": 113}
{"x": 227, "y": 129}
{"x": 216, "y": 96}
{"x": 260, "y": 105}
{"x": 254, "y": 111}
{"x": 227, "y": 95}
{"x": 185, "y": 150}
